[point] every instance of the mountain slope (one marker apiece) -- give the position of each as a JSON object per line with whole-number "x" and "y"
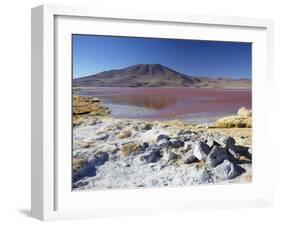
{"x": 154, "y": 75}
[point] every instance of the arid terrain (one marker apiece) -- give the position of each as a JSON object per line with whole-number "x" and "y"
{"x": 110, "y": 152}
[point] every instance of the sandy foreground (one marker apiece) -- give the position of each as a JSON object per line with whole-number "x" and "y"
{"x": 111, "y": 152}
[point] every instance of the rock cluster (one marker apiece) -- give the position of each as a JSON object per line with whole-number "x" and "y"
{"x": 134, "y": 145}
{"x": 82, "y": 168}
{"x": 218, "y": 152}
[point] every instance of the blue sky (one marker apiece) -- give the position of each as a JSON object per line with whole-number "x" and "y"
{"x": 93, "y": 54}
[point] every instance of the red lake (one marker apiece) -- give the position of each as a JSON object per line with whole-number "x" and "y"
{"x": 187, "y": 104}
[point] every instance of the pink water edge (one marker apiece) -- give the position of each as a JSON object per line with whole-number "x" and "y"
{"x": 171, "y": 103}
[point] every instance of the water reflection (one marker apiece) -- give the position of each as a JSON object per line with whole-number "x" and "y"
{"x": 153, "y": 102}
{"x": 166, "y": 103}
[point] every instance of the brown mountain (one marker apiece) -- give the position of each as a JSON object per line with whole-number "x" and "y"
{"x": 155, "y": 75}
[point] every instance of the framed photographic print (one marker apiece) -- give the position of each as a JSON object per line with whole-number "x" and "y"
{"x": 137, "y": 112}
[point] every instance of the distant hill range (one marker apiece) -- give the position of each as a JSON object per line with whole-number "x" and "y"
{"x": 156, "y": 75}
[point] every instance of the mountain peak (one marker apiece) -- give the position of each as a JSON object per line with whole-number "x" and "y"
{"x": 152, "y": 75}
{"x": 144, "y": 69}
{"x": 146, "y": 65}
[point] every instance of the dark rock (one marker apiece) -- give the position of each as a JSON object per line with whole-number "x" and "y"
{"x": 237, "y": 151}
{"x": 163, "y": 143}
{"x": 224, "y": 141}
{"x": 174, "y": 143}
{"x": 227, "y": 170}
{"x": 229, "y": 141}
{"x": 99, "y": 158}
{"x": 216, "y": 156}
{"x": 145, "y": 144}
{"x": 135, "y": 127}
{"x": 201, "y": 150}
{"x": 152, "y": 153}
{"x": 186, "y": 137}
{"x": 151, "y": 156}
{"x": 119, "y": 127}
{"x": 146, "y": 126}
{"x": 162, "y": 136}
{"x": 88, "y": 170}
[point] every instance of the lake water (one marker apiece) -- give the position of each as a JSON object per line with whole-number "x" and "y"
{"x": 186, "y": 104}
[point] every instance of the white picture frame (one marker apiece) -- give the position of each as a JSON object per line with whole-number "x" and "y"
{"x": 52, "y": 197}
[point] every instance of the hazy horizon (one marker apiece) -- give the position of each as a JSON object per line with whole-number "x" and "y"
{"x": 93, "y": 54}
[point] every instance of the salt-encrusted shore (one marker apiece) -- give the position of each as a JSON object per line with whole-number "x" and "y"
{"x": 124, "y": 153}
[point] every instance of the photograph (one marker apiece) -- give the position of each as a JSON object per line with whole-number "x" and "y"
{"x": 160, "y": 112}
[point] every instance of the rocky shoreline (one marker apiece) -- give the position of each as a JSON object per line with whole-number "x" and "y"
{"x": 123, "y": 153}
